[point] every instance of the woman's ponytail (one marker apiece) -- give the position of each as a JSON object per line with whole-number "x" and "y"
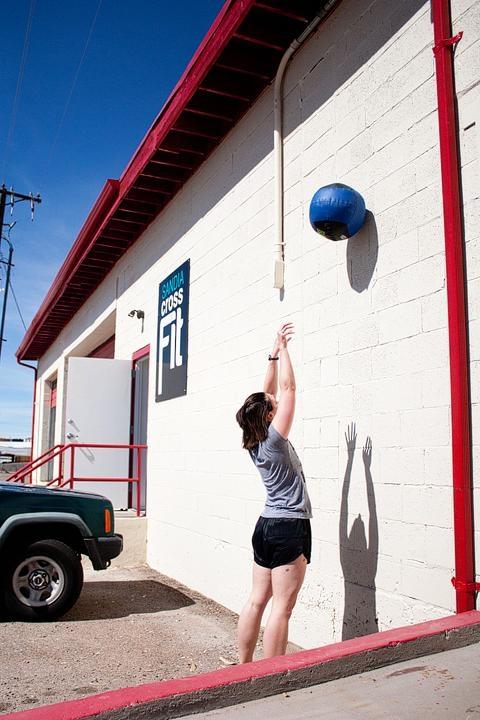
{"x": 253, "y": 419}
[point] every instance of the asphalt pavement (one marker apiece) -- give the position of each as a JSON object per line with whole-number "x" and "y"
{"x": 130, "y": 626}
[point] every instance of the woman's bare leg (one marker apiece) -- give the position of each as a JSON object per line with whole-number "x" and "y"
{"x": 251, "y": 615}
{"x": 286, "y": 583}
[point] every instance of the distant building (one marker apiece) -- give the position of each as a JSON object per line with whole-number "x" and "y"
{"x": 15, "y": 449}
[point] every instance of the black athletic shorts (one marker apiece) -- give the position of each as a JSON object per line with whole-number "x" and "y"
{"x": 279, "y": 541}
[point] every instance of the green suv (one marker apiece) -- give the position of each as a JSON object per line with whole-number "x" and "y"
{"x": 43, "y": 534}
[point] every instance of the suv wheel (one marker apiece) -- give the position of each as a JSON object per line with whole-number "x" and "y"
{"x": 43, "y": 581}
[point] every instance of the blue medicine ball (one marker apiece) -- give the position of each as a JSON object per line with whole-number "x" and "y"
{"x": 337, "y": 211}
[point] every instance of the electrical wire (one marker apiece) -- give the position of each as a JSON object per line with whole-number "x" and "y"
{"x": 16, "y": 303}
{"x": 72, "y": 88}
{"x": 21, "y": 70}
{"x": 3, "y": 272}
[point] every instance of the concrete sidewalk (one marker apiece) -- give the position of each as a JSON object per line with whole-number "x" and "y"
{"x": 444, "y": 686}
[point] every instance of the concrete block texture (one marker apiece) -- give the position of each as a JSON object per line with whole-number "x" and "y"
{"x": 371, "y": 345}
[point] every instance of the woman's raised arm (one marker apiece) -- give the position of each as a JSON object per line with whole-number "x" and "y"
{"x": 270, "y": 385}
{"x": 282, "y": 422}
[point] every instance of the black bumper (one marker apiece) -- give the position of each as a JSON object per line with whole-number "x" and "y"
{"x": 102, "y": 550}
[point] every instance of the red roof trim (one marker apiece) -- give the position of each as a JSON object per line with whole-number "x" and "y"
{"x": 223, "y": 28}
{"x": 172, "y": 150}
{"x": 73, "y": 260}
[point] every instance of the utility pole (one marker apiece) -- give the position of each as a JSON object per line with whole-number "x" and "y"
{"x": 14, "y": 197}
{"x": 9, "y": 265}
{"x": 2, "y": 207}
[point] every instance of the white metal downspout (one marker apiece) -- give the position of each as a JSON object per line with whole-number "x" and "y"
{"x": 279, "y": 270}
{"x": 279, "y": 244}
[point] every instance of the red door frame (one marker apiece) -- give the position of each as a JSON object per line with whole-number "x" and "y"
{"x": 137, "y": 355}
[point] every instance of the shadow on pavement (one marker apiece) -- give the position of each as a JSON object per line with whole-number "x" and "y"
{"x": 107, "y": 600}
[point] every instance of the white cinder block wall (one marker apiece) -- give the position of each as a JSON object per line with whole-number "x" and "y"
{"x": 371, "y": 345}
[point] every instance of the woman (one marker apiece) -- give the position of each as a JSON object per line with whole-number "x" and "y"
{"x": 282, "y": 537}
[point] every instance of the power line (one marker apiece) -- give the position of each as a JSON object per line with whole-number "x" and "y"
{"x": 13, "y": 115}
{"x": 72, "y": 88}
{"x": 16, "y": 303}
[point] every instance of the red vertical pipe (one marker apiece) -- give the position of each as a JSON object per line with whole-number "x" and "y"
{"x": 464, "y": 581}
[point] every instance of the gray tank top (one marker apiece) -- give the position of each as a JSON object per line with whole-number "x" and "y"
{"x": 282, "y": 475}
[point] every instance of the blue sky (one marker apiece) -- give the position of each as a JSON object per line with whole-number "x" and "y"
{"x": 94, "y": 75}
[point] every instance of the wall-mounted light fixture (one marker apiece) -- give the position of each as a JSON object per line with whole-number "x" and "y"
{"x": 140, "y": 314}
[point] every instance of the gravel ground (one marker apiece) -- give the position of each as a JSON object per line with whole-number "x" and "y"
{"x": 130, "y": 626}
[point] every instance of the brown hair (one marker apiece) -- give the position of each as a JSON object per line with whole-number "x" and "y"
{"x": 252, "y": 418}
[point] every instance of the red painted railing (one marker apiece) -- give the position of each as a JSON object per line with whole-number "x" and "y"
{"x": 27, "y": 470}
{"x": 68, "y": 480}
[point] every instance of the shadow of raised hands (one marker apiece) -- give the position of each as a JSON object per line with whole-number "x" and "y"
{"x": 358, "y": 557}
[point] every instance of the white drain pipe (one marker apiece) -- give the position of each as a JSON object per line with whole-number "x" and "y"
{"x": 279, "y": 245}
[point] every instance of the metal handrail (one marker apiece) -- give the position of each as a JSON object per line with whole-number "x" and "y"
{"x": 62, "y": 482}
{"x": 29, "y": 468}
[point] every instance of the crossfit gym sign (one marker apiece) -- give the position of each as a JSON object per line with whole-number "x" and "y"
{"x": 172, "y": 335}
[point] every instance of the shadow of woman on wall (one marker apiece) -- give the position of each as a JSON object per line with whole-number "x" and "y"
{"x": 358, "y": 558}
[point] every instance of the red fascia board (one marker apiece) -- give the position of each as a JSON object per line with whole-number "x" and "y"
{"x": 229, "y": 18}
{"x": 222, "y": 30}
{"x": 74, "y": 259}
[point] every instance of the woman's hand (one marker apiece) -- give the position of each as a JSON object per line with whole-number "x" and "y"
{"x": 284, "y": 335}
{"x": 351, "y": 440}
{"x": 367, "y": 453}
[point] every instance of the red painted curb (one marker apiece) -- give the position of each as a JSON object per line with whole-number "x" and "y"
{"x": 118, "y": 699}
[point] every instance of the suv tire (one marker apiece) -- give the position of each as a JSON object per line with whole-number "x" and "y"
{"x": 42, "y": 581}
